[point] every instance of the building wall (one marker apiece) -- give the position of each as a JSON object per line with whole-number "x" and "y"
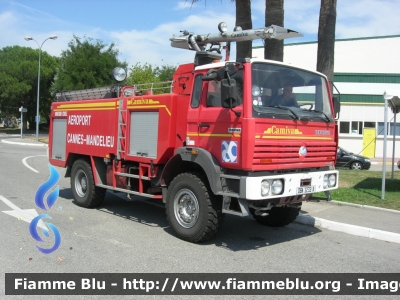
{"x": 362, "y": 55}
{"x": 364, "y": 69}
{"x": 364, "y": 115}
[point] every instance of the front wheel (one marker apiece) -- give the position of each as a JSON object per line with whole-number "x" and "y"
{"x": 278, "y": 216}
{"x": 85, "y": 193}
{"x": 193, "y": 211}
{"x": 356, "y": 165}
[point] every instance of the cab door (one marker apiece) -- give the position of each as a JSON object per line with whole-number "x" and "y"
{"x": 219, "y": 129}
{"x": 192, "y": 132}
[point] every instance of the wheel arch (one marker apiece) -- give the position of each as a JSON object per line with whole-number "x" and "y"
{"x": 184, "y": 160}
{"x": 96, "y": 163}
{"x": 72, "y": 158}
{"x": 84, "y": 188}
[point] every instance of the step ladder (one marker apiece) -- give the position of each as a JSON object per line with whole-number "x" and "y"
{"x": 141, "y": 172}
{"x": 122, "y": 117}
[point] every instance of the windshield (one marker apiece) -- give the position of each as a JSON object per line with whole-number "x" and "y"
{"x": 284, "y": 92}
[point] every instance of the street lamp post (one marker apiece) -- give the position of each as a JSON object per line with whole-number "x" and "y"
{"x": 28, "y": 38}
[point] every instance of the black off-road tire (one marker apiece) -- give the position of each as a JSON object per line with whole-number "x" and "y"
{"x": 193, "y": 211}
{"x": 85, "y": 193}
{"x": 278, "y": 216}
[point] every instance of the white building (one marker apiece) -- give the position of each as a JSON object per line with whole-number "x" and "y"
{"x": 364, "y": 69}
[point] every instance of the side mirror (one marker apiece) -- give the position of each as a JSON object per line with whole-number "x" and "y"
{"x": 336, "y": 105}
{"x": 336, "y": 101}
{"x": 211, "y": 75}
{"x": 228, "y": 93}
{"x": 226, "y": 71}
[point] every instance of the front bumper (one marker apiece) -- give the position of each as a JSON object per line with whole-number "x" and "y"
{"x": 293, "y": 184}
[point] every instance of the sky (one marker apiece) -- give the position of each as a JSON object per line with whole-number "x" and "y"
{"x": 141, "y": 28}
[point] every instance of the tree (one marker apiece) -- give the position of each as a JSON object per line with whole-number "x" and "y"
{"x": 326, "y": 38}
{"x": 243, "y": 19}
{"x": 18, "y": 81}
{"x": 165, "y": 72}
{"x": 274, "y": 15}
{"x": 141, "y": 74}
{"x": 86, "y": 64}
{"x": 148, "y": 74}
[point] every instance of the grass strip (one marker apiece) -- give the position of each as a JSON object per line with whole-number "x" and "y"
{"x": 365, "y": 188}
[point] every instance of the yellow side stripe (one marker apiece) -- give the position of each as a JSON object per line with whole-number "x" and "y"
{"x": 87, "y": 105}
{"x": 296, "y": 137}
{"x": 75, "y": 109}
{"x": 103, "y": 106}
{"x": 214, "y": 134}
{"x": 150, "y": 106}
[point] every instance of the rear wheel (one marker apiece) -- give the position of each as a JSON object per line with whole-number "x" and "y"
{"x": 278, "y": 216}
{"x": 193, "y": 211}
{"x": 85, "y": 193}
{"x": 356, "y": 165}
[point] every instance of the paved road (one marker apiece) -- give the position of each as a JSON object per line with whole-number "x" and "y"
{"x": 377, "y": 166}
{"x": 134, "y": 236}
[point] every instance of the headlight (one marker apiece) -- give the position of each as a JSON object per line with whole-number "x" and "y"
{"x": 325, "y": 181}
{"x": 277, "y": 186}
{"x": 332, "y": 180}
{"x": 265, "y": 187}
{"x": 367, "y": 160}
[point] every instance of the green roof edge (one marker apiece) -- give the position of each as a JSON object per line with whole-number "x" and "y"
{"x": 341, "y": 40}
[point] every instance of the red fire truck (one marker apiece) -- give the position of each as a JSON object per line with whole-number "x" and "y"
{"x": 221, "y": 139}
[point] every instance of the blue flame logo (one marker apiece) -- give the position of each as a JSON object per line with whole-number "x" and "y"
{"x": 51, "y": 199}
{"x": 45, "y": 187}
{"x": 35, "y": 235}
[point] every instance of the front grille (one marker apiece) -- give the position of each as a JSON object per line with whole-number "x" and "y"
{"x": 272, "y": 154}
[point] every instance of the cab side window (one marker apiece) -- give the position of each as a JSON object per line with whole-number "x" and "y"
{"x": 196, "y": 96}
{"x": 238, "y": 76}
{"x": 214, "y": 90}
{"x": 214, "y": 94}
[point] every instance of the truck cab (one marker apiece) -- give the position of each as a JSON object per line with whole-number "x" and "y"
{"x": 266, "y": 155}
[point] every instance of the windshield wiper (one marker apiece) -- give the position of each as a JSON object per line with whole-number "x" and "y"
{"x": 294, "y": 115}
{"x": 324, "y": 114}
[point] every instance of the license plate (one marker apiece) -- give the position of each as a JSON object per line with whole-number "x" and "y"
{"x": 306, "y": 189}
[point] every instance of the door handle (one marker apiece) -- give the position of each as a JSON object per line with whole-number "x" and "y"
{"x": 204, "y": 125}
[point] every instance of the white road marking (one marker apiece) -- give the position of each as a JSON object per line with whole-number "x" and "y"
{"x": 28, "y": 166}
{"x": 23, "y": 144}
{"x": 26, "y": 215}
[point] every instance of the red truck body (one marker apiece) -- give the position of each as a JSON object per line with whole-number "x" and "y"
{"x": 201, "y": 155}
